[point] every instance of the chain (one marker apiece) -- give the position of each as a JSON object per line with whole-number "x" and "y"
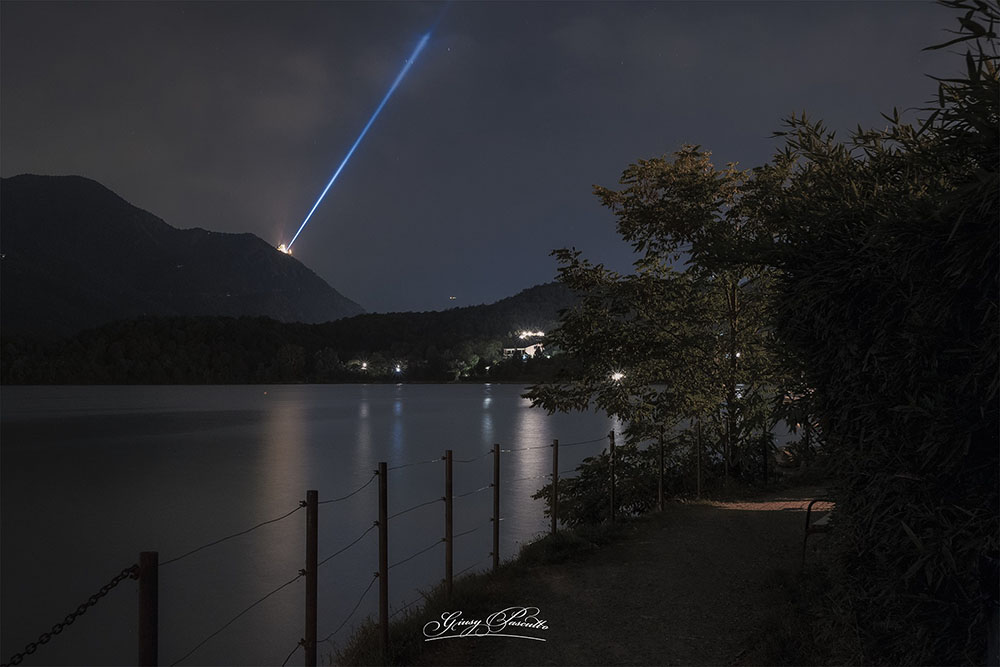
{"x": 45, "y": 637}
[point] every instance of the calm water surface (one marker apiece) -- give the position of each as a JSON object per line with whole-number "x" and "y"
{"x": 91, "y": 476}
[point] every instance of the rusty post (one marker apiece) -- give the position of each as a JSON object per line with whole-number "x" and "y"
{"x": 383, "y": 559}
{"x": 149, "y": 607}
{"x": 611, "y": 437}
{"x": 312, "y": 553}
{"x": 496, "y": 507}
{"x": 555, "y": 485}
{"x": 659, "y": 489}
{"x": 698, "y": 491}
{"x": 449, "y": 525}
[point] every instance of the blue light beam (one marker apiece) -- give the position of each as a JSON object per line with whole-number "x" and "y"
{"x": 392, "y": 88}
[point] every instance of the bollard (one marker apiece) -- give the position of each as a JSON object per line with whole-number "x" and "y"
{"x": 149, "y": 607}
{"x": 659, "y": 488}
{"x": 312, "y": 554}
{"x": 611, "y": 437}
{"x": 383, "y": 559}
{"x": 496, "y": 507}
{"x": 449, "y": 525}
{"x": 698, "y": 491}
{"x": 555, "y": 485}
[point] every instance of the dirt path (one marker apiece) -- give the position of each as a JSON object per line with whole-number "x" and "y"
{"x": 688, "y": 587}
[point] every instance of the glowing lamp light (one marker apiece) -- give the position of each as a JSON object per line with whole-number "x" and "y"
{"x": 617, "y": 376}
{"x": 285, "y": 249}
{"x": 364, "y": 365}
{"x": 530, "y": 334}
{"x": 399, "y": 369}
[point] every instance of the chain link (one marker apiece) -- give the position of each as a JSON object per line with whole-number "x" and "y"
{"x": 45, "y": 637}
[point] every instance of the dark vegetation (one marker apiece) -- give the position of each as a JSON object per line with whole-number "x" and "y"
{"x": 888, "y": 294}
{"x": 850, "y": 288}
{"x": 471, "y": 593}
{"x": 461, "y": 343}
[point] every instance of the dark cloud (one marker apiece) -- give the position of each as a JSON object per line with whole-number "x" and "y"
{"x": 233, "y": 116}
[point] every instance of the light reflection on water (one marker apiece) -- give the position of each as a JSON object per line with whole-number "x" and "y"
{"x": 103, "y": 473}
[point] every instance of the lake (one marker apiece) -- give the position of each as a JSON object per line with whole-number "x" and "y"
{"x": 91, "y": 476}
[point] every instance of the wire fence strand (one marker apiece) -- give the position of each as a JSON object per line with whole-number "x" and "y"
{"x": 471, "y": 530}
{"x": 342, "y": 550}
{"x": 474, "y": 459}
{"x": 415, "y": 463}
{"x": 466, "y": 569}
{"x": 234, "y": 618}
{"x": 522, "y": 479}
{"x": 229, "y": 537}
{"x": 583, "y": 442}
{"x": 285, "y": 661}
{"x": 424, "y": 550}
{"x": 356, "y": 605}
{"x": 357, "y": 490}
{"x": 524, "y": 449}
{"x": 405, "y": 607}
{"x": 415, "y": 507}
{"x": 469, "y": 493}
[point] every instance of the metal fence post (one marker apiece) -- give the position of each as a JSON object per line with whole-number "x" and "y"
{"x": 312, "y": 549}
{"x": 449, "y": 525}
{"x": 383, "y": 559}
{"x": 659, "y": 502}
{"x": 698, "y": 491}
{"x": 555, "y": 485}
{"x": 611, "y": 437}
{"x": 149, "y": 607}
{"x": 496, "y": 507}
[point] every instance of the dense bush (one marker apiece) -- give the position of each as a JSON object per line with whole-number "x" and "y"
{"x": 889, "y": 290}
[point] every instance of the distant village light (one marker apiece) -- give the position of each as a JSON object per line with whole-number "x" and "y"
{"x": 617, "y": 376}
{"x": 530, "y": 334}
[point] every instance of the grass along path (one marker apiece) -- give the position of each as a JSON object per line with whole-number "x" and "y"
{"x": 692, "y": 585}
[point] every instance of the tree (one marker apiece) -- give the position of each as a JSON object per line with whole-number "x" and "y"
{"x": 682, "y": 338}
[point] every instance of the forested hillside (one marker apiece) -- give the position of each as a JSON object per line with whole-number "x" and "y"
{"x": 430, "y": 346}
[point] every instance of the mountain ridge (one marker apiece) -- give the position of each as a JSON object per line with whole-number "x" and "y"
{"x": 76, "y": 255}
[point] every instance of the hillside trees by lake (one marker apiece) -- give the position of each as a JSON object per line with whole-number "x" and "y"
{"x": 462, "y": 343}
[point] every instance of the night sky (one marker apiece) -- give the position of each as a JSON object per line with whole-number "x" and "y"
{"x": 233, "y": 116}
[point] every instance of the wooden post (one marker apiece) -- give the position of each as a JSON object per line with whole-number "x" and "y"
{"x": 496, "y": 507}
{"x": 725, "y": 452}
{"x": 808, "y": 447}
{"x": 449, "y": 526}
{"x": 312, "y": 552}
{"x": 149, "y": 607}
{"x": 764, "y": 452}
{"x": 611, "y": 437}
{"x": 555, "y": 485}
{"x": 698, "y": 492}
{"x": 383, "y": 559}
{"x": 660, "y": 487}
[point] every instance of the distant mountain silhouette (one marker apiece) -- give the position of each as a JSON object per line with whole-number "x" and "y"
{"x": 76, "y": 255}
